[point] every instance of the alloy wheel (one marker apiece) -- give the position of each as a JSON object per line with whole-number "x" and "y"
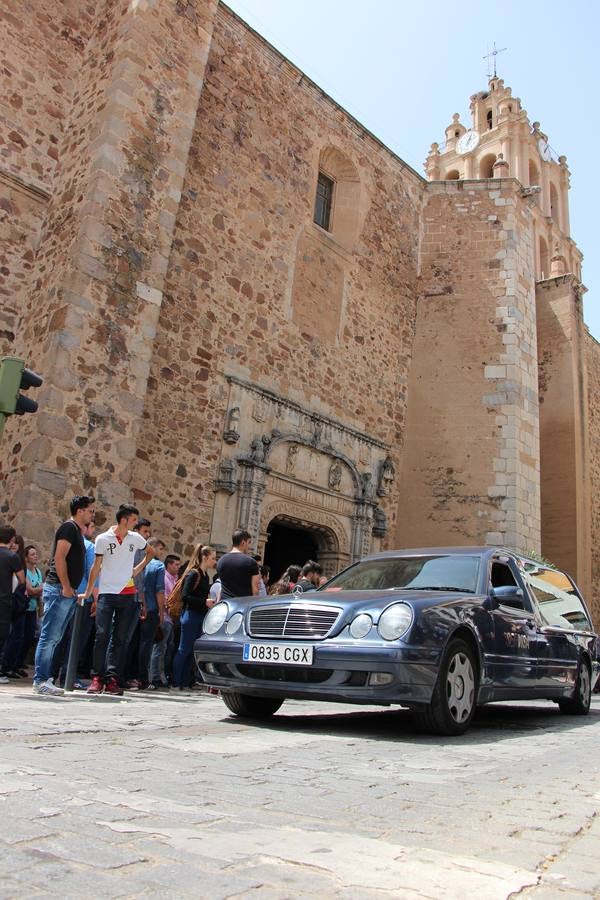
{"x": 460, "y": 687}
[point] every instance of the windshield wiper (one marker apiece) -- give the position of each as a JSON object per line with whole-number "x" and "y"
{"x": 438, "y": 587}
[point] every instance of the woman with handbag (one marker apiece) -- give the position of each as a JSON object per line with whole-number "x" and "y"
{"x": 195, "y": 588}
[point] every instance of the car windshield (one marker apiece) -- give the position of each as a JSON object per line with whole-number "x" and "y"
{"x": 435, "y": 572}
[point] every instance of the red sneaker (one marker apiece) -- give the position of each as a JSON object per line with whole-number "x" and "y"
{"x": 113, "y": 687}
{"x": 97, "y": 685}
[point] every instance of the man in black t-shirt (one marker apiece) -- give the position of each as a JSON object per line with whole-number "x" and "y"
{"x": 10, "y": 566}
{"x": 238, "y": 572}
{"x": 65, "y": 573}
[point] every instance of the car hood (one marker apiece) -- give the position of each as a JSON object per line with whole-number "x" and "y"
{"x": 354, "y": 600}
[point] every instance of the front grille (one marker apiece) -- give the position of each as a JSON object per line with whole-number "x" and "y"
{"x": 300, "y": 621}
{"x": 286, "y": 673}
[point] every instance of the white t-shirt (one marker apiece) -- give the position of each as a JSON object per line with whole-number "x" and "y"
{"x": 117, "y": 561}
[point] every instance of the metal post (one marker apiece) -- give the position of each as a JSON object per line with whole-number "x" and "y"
{"x": 74, "y": 648}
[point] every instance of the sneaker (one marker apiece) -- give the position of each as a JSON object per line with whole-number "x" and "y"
{"x": 48, "y": 688}
{"x": 113, "y": 687}
{"x": 96, "y": 686}
{"x": 132, "y": 685}
{"x": 4, "y": 679}
{"x": 23, "y": 673}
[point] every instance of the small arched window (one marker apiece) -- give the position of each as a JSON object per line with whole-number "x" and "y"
{"x": 453, "y": 175}
{"x": 337, "y": 196}
{"x": 489, "y": 118}
{"x": 486, "y": 166}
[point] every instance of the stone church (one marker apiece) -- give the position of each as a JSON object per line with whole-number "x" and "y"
{"x": 249, "y": 311}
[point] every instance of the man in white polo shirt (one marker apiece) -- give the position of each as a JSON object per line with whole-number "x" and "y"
{"x": 115, "y": 553}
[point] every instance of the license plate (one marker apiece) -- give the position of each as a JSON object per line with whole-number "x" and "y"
{"x": 287, "y": 654}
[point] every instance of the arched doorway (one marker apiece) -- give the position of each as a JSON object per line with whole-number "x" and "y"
{"x": 291, "y": 540}
{"x": 288, "y": 544}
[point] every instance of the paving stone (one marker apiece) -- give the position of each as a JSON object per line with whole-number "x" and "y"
{"x": 98, "y": 854}
{"x": 218, "y": 824}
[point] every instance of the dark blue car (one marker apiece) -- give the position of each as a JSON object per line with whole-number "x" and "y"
{"x": 438, "y": 630}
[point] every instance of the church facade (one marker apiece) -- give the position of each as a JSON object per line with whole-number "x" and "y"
{"x": 248, "y": 311}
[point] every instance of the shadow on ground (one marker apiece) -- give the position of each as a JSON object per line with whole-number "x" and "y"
{"x": 494, "y": 722}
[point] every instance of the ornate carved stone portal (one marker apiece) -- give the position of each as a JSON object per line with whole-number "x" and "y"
{"x": 297, "y": 466}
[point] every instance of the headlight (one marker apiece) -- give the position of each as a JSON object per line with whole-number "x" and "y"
{"x": 234, "y": 624}
{"x": 394, "y": 621}
{"x": 361, "y": 626}
{"x": 215, "y": 618}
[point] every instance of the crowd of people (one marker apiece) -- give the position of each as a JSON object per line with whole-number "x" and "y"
{"x": 140, "y": 608}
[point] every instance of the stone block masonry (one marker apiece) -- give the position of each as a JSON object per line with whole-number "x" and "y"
{"x": 471, "y": 468}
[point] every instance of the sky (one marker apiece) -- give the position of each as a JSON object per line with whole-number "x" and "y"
{"x": 403, "y": 67}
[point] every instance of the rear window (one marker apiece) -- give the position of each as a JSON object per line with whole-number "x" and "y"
{"x": 556, "y": 598}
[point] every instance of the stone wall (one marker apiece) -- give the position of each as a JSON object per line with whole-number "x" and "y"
{"x": 592, "y": 359}
{"x": 41, "y": 52}
{"x": 256, "y": 290}
{"x": 103, "y": 255}
{"x": 564, "y": 431}
{"x": 471, "y": 467}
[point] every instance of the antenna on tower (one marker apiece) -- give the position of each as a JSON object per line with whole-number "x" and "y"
{"x": 493, "y": 54}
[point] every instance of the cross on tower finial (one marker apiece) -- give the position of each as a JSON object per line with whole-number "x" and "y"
{"x": 493, "y": 53}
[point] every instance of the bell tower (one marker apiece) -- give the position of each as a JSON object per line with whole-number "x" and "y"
{"x": 503, "y": 158}
{"x": 501, "y": 143}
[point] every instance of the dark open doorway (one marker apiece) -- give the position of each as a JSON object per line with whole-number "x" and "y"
{"x": 287, "y": 545}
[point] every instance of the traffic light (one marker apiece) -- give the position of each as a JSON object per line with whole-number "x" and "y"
{"x": 14, "y": 377}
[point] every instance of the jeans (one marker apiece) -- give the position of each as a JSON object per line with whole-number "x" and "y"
{"x": 5, "y": 612}
{"x": 191, "y": 629}
{"x": 58, "y": 612}
{"x": 14, "y": 642}
{"x": 124, "y": 663}
{"x": 159, "y": 659}
{"x": 113, "y": 618}
{"x": 147, "y": 632}
{"x": 28, "y": 637}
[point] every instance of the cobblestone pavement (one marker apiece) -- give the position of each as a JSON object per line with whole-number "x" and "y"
{"x": 163, "y": 796}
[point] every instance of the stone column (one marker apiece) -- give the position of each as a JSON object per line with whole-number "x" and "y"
{"x": 524, "y": 160}
{"x": 252, "y": 491}
{"x": 362, "y": 525}
{"x": 564, "y": 195}
{"x": 103, "y": 255}
{"x": 545, "y": 197}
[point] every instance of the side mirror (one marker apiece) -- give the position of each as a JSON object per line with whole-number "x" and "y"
{"x": 508, "y": 595}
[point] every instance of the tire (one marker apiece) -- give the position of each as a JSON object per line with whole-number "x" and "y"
{"x": 579, "y": 703}
{"x": 454, "y": 697}
{"x": 251, "y": 707}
